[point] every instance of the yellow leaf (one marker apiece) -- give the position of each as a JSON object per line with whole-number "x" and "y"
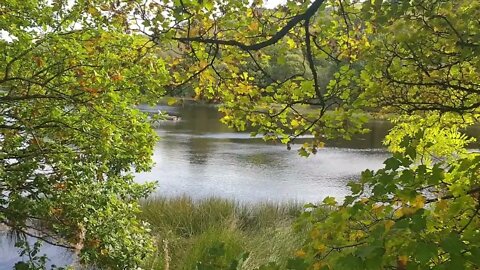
{"x": 203, "y": 63}
{"x": 410, "y": 210}
{"x": 171, "y": 101}
{"x": 441, "y": 205}
{"x": 117, "y": 77}
{"x": 253, "y": 26}
{"x": 39, "y": 61}
{"x": 377, "y": 208}
{"x": 294, "y": 123}
{"x": 93, "y": 11}
{"x": 317, "y": 265}
{"x": 175, "y": 62}
{"x": 320, "y": 247}
{"x": 291, "y": 43}
{"x": 389, "y": 224}
{"x": 402, "y": 261}
{"x": 300, "y": 253}
{"x": 398, "y": 213}
{"x": 419, "y": 201}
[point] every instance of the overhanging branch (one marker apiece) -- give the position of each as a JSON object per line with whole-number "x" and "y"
{"x": 311, "y": 10}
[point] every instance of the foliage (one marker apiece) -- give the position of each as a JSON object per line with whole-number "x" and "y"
{"x": 71, "y": 137}
{"x": 406, "y": 214}
{"x": 35, "y": 261}
{"x": 71, "y": 73}
{"x": 416, "y": 61}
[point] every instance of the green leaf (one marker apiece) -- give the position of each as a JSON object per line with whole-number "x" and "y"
{"x": 355, "y": 188}
{"x": 475, "y": 256}
{"x": 411, "y": 152}
{"x": 392, "y": 163}
{"x": 418, "y": 221}
{"x": 21, "y": 266}
{"x": 297, "y": 264}
{"x": 425, "y": 251}
{"x": 329, "y": 201}
{"x": 303, "y": 152}
{"x": 452, "y": 244}
{"x": 374, "y": 251}
{"x": 350, "y": 262}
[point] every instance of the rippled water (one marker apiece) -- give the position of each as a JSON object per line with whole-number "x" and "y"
{"x": 200, "y": 157}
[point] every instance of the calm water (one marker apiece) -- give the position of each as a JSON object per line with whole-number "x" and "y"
{"x": 200, "y": 157}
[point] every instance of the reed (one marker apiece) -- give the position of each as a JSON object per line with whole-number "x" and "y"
{"x": 192, "y": 228}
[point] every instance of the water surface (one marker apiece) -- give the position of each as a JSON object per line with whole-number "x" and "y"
{"x": 199, "y": 157}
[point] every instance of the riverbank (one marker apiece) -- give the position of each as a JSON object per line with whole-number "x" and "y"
{"x": 189, "y": 231}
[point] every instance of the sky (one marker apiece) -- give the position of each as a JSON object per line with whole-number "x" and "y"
{"x": 274, "y": 3}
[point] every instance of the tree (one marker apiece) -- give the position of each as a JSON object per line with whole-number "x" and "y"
{"x": 415, "y": 61}
{"x": 71, "y": 136}
{"x": 70, "y": 77}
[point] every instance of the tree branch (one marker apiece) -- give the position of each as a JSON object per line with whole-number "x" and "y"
{"x": 311, "y": 62}
{"x": 451, "y": 196}
{"x": 311, "y": 10}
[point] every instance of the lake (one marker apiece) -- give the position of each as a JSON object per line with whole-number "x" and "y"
{"x": 200, "y": 157}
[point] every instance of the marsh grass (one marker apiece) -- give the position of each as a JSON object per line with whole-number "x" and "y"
{"x": 186, "y": 231}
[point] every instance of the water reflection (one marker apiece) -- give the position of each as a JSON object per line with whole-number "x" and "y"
{"x": 200, "y": 157}
{"x": 198, "y": 150}
{"x": 370, "y": 140}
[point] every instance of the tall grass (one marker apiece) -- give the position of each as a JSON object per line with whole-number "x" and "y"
{"x": 187, "y": 230}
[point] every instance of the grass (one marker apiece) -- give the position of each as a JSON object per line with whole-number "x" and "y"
{"x": 188, "y": 231}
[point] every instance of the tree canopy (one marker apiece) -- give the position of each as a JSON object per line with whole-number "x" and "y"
{"x": 71, "y": 136}
{"x": 414, "y": 61}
